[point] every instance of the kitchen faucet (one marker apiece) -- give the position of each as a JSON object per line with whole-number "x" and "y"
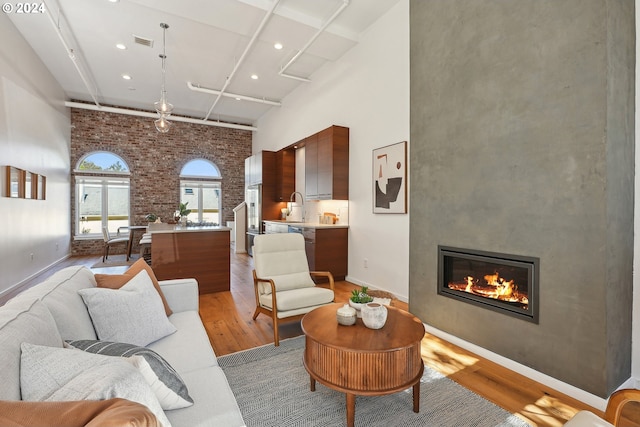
{"x": 292, "y": 199}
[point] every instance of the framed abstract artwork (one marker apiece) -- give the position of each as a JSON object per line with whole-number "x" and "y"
{"x": 390, "y": 179}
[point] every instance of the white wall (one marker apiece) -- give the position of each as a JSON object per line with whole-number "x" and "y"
{"x": 367, "y": 90}
{"x": 35, "y": 136}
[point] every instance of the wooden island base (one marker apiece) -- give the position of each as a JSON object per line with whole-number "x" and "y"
{"x": 202, "y": 253}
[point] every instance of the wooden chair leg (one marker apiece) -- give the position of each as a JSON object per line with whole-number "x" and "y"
{"x": 276, "y": 336}
{"x": 255, "y": 315}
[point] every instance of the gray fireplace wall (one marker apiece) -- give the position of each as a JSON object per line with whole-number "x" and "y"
{"x": 522, "y": 142}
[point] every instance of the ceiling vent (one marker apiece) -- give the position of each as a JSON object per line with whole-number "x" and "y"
{"x": 143, "y": 41}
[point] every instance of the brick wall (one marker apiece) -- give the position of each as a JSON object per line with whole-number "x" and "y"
{"x": 155, "y": 161}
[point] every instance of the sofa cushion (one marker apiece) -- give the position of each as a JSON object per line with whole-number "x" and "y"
{"x": 116, "y": 281}
{"x": 133, "y": 314}
{"x": 83, "y": 413}
{"x": 165, "y": 382}
{"x": 189, "y": 348}
{"x": 215, "y": 405}
{"x": 60, "y": 294}
{"x": 22, "y": 323}
{"x": 60, "y": 374}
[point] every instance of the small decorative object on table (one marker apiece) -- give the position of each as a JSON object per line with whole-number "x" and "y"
{"x": 359, "y": 298}
{"x": 374, "y": 315}
{"x": 346, "y": 315}
{"x": 183, "y": 212}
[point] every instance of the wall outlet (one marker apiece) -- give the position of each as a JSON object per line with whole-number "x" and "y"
{"x": 366, "y": 263}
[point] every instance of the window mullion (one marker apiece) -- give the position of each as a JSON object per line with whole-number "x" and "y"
{"x": 105, "y": 204}
{"x": 200, "y": 203}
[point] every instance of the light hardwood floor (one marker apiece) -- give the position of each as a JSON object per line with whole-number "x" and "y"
{"x": 227, "y": 317}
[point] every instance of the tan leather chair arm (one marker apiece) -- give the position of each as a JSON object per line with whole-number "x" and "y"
{"x": 616, "y": 403}
{"x": 324, "y": 274}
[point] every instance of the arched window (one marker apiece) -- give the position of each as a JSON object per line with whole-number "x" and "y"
{"x": 102, "y": 194}
{"x": 200, "y": 188}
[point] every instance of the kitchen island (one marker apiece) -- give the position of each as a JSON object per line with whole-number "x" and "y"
{"x": 199, "y": 252}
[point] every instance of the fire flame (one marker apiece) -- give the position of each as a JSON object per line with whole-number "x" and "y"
{"x": 496, "y": 287}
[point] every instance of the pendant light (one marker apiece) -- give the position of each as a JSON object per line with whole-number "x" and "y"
{"x": 163, "y": 107}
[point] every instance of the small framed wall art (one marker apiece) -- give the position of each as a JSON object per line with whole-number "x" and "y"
{"x": 390, "y": 179}
{"x": 22, "y": 184}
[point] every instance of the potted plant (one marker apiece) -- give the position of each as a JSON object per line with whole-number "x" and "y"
{"x": 359, "y": 298}
{"x": 151, "y": 217}
{"x": 183, "y": 212}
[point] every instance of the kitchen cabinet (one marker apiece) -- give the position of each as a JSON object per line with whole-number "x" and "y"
{"x": 327, "y": 164}
{"x": 285, "y": 174}
{"x": 259, "y": 167}
{"x": 327, "y": 250}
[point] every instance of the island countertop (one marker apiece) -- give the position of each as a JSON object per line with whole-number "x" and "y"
{"x": 306, "y": 224}
{"x": 181, "y": 229}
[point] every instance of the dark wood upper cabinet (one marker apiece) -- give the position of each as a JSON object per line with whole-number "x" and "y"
{"x": 327, "y": 164}
{"x": 285, "y": 174}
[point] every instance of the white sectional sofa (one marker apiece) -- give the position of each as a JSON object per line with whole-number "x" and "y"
{"x": 53, "y": 311}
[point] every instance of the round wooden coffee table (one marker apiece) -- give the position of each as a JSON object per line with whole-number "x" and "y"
{"x": 357, "y": 360}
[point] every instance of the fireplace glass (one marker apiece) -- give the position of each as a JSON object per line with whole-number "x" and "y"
{"x": 500, "y": 282}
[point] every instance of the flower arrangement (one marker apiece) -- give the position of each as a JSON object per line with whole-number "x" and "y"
{"x": 361, "y": 296}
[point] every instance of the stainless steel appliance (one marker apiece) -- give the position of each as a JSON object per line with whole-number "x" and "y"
{"x": 253, "y": 198}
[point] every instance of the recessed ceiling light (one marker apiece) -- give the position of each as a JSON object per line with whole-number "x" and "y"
{"x": 254, "y": 76}
{"x": 126, "y": 76}
{"x": 278, "y": 46}
{"x": 121, "y": 46}
{"x": 237, "y": 99}
{"x": 114, "y": 1}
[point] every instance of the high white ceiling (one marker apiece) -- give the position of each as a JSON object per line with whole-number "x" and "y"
{"x": 205, "y": 41}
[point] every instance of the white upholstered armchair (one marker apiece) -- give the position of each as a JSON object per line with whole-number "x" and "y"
{"x": 282, "y": 280}
{"x": 612, "y": 414}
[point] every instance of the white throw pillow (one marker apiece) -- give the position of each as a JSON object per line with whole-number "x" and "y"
{"x": 59, "y": 374}
{"x": 133, "y": 314}
{"x": 165, "y": 382}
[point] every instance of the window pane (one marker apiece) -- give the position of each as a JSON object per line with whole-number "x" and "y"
{"x": 204, "y": 200}
{"x": 103, "y": 161}
{"x": 90, "y": 207}
{"x": 211, "y": 205}
{"x": 118, "y": 205}
{"x": 189, "y": 194}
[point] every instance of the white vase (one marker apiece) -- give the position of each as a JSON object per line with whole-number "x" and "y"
{"x": 346, "y": 315}
{"x": 358, "y": 306}
{"x": 374, "y": 315}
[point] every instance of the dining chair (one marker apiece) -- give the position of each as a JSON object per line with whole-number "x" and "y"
{"x": 108, "y": 242}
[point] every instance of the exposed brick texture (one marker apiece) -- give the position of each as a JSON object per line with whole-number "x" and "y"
{"x": 155, "y": 161}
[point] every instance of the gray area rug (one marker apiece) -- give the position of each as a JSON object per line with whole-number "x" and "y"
{"x": 272, "y": 389}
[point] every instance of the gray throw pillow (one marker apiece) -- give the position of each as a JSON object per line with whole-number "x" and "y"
{"x": 133, "y": 314}
{"x": 165, "y": 382}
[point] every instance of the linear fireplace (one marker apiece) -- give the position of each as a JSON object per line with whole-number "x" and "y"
{"x": 500, "y": 282}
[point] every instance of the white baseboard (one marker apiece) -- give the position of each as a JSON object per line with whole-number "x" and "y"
{"x": 14, "y": 290}
{"x": 572, "y": 391}
{"x": 372, "y": 287}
